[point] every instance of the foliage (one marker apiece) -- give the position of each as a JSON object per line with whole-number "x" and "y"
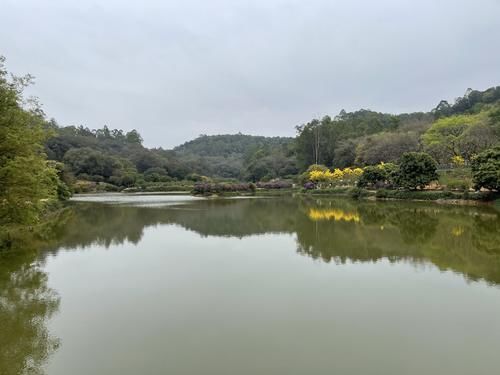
{"x": 309, "y": 185}
{"x": 27, "y": 180}
{"x": 317, "y": 140}
{"x": 486, "y": 169}
{"x": 379, "y": 175}
{"x": 227, "y": 156}
{"x": 330, "y": 149}
{"x": 386, "y": 147}
{"x": 241, "y": 156}
{"x": 209, "y": 188}
{"x": 472, "y": 102}
{"x": 346, "y": 176}
{"x": 458, "y": 161}
{"x": 372, "y": 175}
{"x": 431, "y": 195}
{"x": 277, "y": 184}
{"x": 460, "y": 136}
{"x": 416, "y": 170}
{"x": 456, "y": 178}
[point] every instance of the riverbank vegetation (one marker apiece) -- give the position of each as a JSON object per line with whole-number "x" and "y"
{"x": 30, "y": 184}
{"x": 452, "y": 148}
{"x": 450, "y": 135}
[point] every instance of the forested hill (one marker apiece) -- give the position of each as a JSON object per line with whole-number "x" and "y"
{"x": 230, "y": 144}
{"x": 240, "y": 156}
{"x": 119, "y": 158}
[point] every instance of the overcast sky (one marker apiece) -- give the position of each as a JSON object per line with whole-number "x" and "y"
{"x": 177, "y": 69}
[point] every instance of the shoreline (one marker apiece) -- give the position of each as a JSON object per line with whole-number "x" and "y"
{"x": 439, "y": 197}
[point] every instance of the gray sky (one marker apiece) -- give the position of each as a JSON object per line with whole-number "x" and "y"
{"x": 177, "y": 69}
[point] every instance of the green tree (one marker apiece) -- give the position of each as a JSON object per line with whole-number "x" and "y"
{"x": 27, "y": 180}
{"x": 385, "y": 147}
{"x": 133, "y": 136}
{"x": 444, "y": 138}
{"x": 416, "y": 170}
{"x": 377, "y": 175}
{"x": 486, "y": 169}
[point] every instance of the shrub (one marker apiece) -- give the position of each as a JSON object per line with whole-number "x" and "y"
{"x": 371, "y": 175}
{"x": 486, "y": 169}
{"x": 381, "y": 175}
{"x": 416, "y": 170}
{"x": 207, "y": 188}
{"x": 97, "y": 178}
{"x": 304, "y": 177}
{"x": 274, "y": 185}
{"x": 309, "y": 185}
{"x": 156, "y": 174}
{"x": 115, "y": 180}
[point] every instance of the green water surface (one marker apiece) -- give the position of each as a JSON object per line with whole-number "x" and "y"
{"x": 177, "y": 285}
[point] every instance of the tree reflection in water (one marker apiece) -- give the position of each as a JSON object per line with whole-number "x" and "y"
{"x": 26, "y": 304}
{"x": 462, "y": 239}
{"x": 465, "y": 240}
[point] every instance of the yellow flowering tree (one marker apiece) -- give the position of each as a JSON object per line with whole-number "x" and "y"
{"x": 458, "y": 161}
{"x": 347, "y": 176}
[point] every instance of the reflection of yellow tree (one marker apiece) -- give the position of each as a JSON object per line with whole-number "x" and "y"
{"x": 335, "y": 214}
{"x": 457, "y": 230}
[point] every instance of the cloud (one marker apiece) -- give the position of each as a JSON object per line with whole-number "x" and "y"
{"x": 175, "y": 69}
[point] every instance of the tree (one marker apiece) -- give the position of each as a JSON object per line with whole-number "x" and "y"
{"x": 134, "y": 137}
{"x": 486, "y": 169}
{"x": 385, "y": 147}
{"x": 344, "y": 154}
{"x": 156, "y": 175}
{"x": 416, "y": 170}
{"x": 446, "y": 136}
{"x": 26, "y": 178}
{"x": 376, "y": 175}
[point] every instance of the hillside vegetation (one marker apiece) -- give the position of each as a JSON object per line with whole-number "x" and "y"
{"x": 451, "y": 133}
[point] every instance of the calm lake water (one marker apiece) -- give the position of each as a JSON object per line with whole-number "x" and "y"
{"x": 178, "y": 285}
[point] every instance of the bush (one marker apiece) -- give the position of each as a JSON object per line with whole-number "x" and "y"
{"x": 416, "y": 170}
{"x": 371, "y": 176}
{"x": 304, "y": 177}
{"x": 128, "y": 180}
{"x": 115, "y": 180}
{"x": 274, "y": 185}
{"x": 377, "y": 176}
{"x": 207, "y": 188}
{"x": 309, "y": 185}
{"x": 156, "y": 174}
{"x": 97, "y": 178}
{"x": 486, "y": 169}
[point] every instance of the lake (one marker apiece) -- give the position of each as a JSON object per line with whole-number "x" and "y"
{"x": 147, "y": 284}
